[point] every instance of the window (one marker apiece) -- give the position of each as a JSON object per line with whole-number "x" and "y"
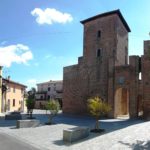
{"x": 126, "y": 55}
{"x": 22, "y": 91}
{"x": 54, "y": 88}
{"x": 8, "y": 105}
{"x": 41, "y": 87}
{"x": 41, "y": 96}
{"x": 8, "y": 89}
{"x": 99, "y": 34}
{"x": 48, "y": 97}
{"x": 49, "y": 88}
{"x": 13, "y": 102}
{"x": 14, "y": 90}
{"x": 20, "y": 101}
{"x": 98, "y": 53}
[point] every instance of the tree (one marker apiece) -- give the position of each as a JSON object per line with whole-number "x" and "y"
{"x": 30, "y": 102}
{"x": 30, "y": 106}
{"x": 53, "y": 107}
{"x": 97, "y": 108}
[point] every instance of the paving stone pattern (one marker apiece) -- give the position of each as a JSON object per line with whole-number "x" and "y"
{"x": 120, "y": 134}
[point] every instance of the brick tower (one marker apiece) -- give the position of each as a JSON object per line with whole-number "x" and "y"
{"x": 105, "y": 46}
{"x": 146, "y": 79}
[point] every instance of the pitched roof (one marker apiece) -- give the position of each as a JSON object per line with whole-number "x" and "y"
{"x": 50, "y": 82}
{"x": 13, "y": 82}
{"x": 107, "y": 14}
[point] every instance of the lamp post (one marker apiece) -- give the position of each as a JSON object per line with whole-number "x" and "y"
{"x": 1, "y": 89}
{"x": 4, "y": 94}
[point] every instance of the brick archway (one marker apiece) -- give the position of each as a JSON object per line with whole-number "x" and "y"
{"x": 121, "y": 102}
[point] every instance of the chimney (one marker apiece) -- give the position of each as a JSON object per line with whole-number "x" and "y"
{"x": 8, "y": 78}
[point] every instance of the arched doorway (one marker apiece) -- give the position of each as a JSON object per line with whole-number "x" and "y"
{"x": 121, "y": 102}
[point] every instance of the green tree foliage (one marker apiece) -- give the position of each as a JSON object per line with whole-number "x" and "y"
{"x": 53, "y": 107}
{"x": 30, "y": 101}
{"x": 97, "y": 108}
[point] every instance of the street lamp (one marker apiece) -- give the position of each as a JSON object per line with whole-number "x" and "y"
{"x": 1, "y": 89}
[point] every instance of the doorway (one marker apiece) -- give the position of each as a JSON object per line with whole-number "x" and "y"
{"x": 121, "y": 102}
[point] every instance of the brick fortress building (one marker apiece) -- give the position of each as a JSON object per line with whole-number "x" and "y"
{"x": 104, "y": 71}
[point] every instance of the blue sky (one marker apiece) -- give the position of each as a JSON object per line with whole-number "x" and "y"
{"x": 39, "y": 37}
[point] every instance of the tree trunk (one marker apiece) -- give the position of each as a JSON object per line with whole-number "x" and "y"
{"x": 27, "y": 111}
{"x": 31, "y": 114}
{"x": 97, "y": 124}
{"x": 50, "y": 118}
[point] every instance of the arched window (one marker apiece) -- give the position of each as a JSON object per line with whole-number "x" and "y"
{"x": 99, "y": 34}
{"x": 49, "y": 88}
{"x": 48, "y": 97}
{"x": 99, "y": 53}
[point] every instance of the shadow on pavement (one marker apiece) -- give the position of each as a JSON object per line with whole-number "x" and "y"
{"x": 109, "y": 125}
{"x": 139, "y": 145}
{"x": 91, "y": 136}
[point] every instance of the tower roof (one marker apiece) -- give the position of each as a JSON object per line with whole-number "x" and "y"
{"x": 107, "y": 14}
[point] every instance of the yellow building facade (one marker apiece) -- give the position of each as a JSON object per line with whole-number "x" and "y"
{"x": 12, "y": 95}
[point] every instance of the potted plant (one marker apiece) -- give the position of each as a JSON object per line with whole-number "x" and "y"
{"x": 97, "y": 108}
{"x": 53, "y": 107}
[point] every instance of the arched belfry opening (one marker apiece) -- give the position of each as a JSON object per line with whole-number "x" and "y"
{"x": 121, "y": 102}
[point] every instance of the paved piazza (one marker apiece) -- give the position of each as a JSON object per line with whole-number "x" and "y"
{"x": 121, "y": 134}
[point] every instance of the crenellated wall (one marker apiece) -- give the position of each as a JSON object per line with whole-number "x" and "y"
{"x": 105, "y": 70}
{"x": 105, "y": 45}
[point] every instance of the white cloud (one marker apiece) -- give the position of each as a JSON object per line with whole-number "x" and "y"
{"x": 18, "y": 53}
{"x": 50, "y": 16}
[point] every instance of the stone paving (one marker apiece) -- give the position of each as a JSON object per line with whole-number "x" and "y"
{"x": 121, "y": 134}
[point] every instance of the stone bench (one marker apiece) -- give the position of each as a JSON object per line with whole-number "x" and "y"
{"x": 27, "y": 123}
{"x": 75, "y": 134}
{"x": 13, "y": 116}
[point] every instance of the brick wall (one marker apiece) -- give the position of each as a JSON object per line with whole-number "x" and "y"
{"x": 145, "y": 60}
{"x": 94, "y": 75}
